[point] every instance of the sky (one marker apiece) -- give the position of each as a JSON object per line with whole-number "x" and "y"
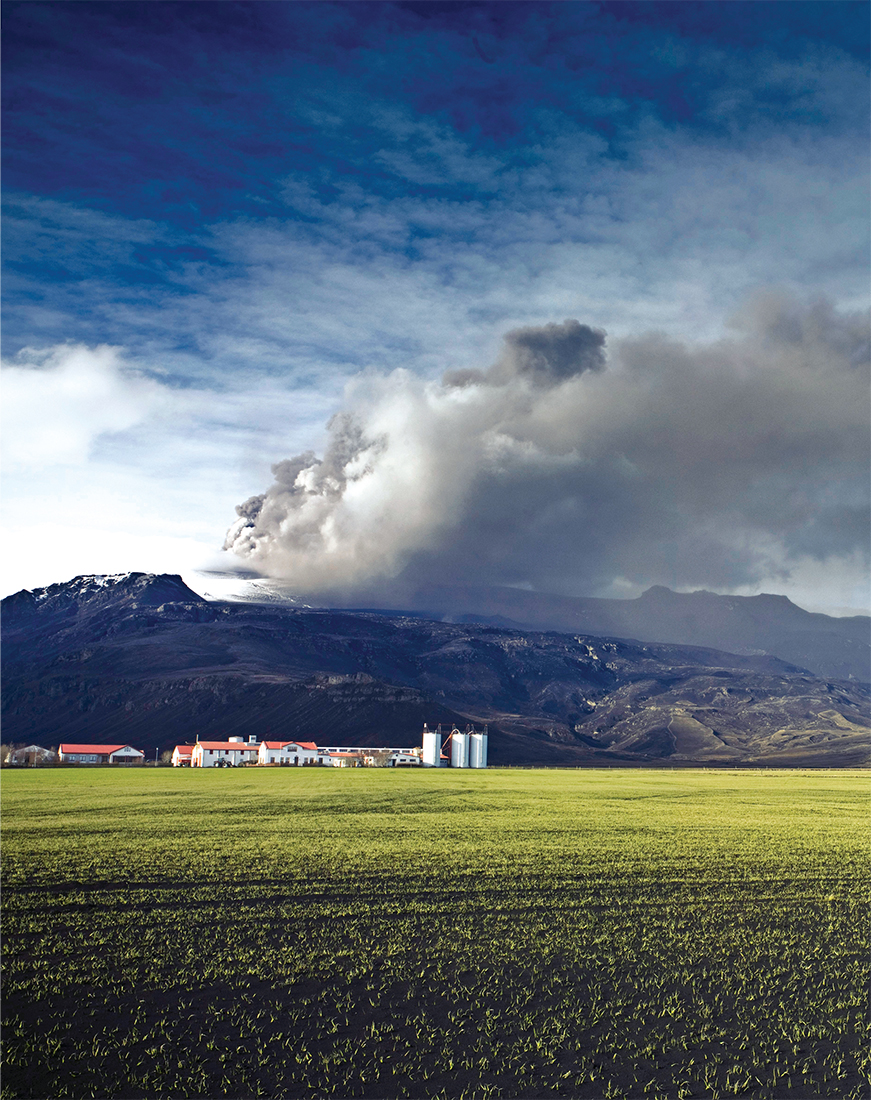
{"x": 570, "y": 296}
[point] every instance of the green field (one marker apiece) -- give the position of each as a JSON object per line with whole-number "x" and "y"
{"x": 379, "y": 933}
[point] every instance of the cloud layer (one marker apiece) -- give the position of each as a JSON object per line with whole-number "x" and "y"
{"x": 259, "y": 202}
{"x": 56, "y": 403}
{"x": 693, "y": 464}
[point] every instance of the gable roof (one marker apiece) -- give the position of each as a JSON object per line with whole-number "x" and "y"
{"x": 310, "y": 745}
{"x": 184, "y": 750}
{"x": 101, "y": 750}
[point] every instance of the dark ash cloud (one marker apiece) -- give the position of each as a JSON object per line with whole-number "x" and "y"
{"x": 714, "y": 465}
{"x": 545, "y": 356}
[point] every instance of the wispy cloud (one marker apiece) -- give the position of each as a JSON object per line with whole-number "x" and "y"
{"x": 262, "y": 203}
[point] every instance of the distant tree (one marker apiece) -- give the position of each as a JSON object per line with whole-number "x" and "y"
{"x": 166, "y": 756}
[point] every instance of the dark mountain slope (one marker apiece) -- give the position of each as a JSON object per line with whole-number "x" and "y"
{"x": 836, "y": 648}
{"x": 143, "y": 659}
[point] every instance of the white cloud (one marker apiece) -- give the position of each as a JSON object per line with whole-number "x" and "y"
{"x": 108, "y": 470}
{"x": 57, "y": 403}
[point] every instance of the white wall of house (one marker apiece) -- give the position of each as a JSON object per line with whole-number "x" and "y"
{"x": 287, "y": 752}
{"x": 404, "y": 758}
{"x": 127, "y": 755}
{"x": 30, "y": 755}
{"x": 345, "y": 760}
{"x": 207, "y": 754}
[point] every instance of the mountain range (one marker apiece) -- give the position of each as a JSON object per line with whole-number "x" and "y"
{"x": 837, "y": 648}
{"x": 146, "y": 660}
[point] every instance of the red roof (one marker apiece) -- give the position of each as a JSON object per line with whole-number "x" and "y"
{"x": 184, "y": 750}
{"x": 282, "y": 744}
{"x": 101, "y": 750}
{"x": 236, "y": 746}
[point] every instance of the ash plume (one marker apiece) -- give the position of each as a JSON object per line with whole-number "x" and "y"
{"x": 564, "y": 470}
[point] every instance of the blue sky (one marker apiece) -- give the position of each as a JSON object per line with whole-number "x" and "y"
{"x": 218, "y": 215}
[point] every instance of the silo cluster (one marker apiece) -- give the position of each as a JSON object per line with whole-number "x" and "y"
{"x": 456, "y": 750}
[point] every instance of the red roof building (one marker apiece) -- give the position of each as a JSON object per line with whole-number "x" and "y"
{"x": 99, "y": 754}
{"x": 294, "y": 753}
{"x": 210, "y": 754}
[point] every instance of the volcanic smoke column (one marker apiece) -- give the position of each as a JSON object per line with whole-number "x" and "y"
{"x": 728, "y": 465}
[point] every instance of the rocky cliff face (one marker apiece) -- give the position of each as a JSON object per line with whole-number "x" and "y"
{"x": 143, "y": 659}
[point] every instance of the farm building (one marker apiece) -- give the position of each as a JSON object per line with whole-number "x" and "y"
{"x": 344, "y": 759}
{"x": 29, "y": 756}
{"x": 390, "y": 758}
{"x": 223, "y": 754}
{"x": 100, "y": 754}
{"x": 401, "y": 758}
{"x": 181, "y": 756}
{"x": 288, "y": 752}
{"x": 371, "y": 757}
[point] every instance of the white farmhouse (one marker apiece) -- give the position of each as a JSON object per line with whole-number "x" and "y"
{"x": 223, "y": 754}
{"x": 294, "y": 753}
{"x": 181, "y": 756}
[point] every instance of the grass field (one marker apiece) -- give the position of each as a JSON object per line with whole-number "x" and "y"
{"x": 315, "y": 932}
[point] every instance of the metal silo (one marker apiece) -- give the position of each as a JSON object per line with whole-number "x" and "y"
{"x": 478, "y": 750}
{"x": 459, "y": 749}
{"x": 432, "y": 748}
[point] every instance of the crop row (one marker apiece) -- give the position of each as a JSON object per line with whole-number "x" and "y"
{"x": 628, "y": 936}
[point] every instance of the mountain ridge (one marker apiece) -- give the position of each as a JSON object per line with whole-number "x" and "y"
{"x": 767, "y": 623}
{"x": 114, "y": 657}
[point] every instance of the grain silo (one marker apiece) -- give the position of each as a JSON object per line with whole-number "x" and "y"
{"x": 432, "y": 748}
{"x": 459, "y": 749}
{"x": 478, "y": 749}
